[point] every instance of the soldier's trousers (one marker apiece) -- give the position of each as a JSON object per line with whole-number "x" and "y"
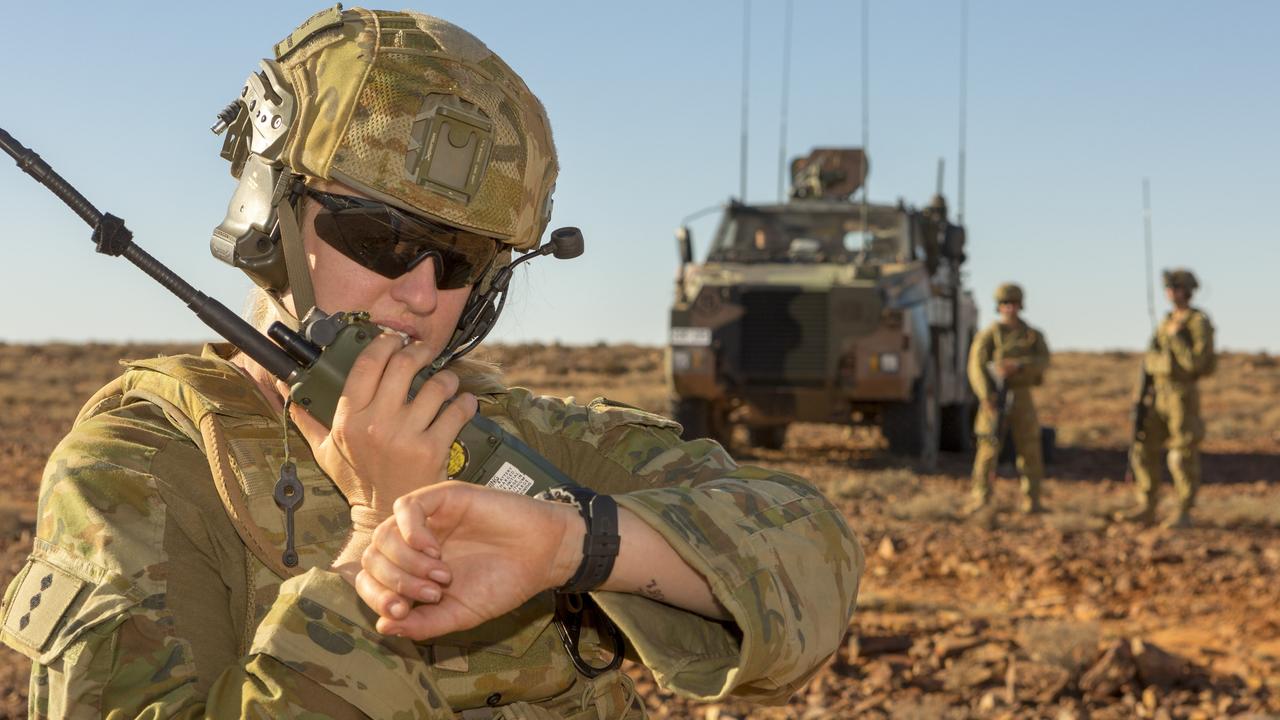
{"x": 1175, "y": 418}
{"x": 1024, "y": 430}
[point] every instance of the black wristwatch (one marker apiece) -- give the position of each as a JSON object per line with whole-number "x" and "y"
{"x": 600, "y": 544}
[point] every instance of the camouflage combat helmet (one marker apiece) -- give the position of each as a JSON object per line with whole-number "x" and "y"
{"x": 1180, "y": 278}
{"x": 405, "y": 108}
{"x": 1009, "y": 292}
{"x": 418, "y": 113}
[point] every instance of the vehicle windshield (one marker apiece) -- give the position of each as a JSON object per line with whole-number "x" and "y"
{"x": 799, "y": 236}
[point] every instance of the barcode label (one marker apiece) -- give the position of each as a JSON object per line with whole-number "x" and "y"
{"x": 510, "y": 479}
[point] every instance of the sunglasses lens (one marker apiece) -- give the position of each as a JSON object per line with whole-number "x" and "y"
{"x": 391, "y": 243}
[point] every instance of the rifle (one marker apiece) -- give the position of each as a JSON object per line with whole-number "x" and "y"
{"x": 1141, "y": 408}
{"x": 998, "y": 387}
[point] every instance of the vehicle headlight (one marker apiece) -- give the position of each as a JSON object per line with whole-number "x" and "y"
{"x": 889, "y": 362}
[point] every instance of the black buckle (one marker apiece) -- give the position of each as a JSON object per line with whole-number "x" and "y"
{"x": 570, "y": 608}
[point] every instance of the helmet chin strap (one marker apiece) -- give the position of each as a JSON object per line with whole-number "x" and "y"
{"x": 295, "y": 259}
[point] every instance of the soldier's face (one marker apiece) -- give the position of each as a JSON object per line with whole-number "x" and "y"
{"x": 1009, "y": 310}
{"x": 411, "y": 303}
{"x": 1178, "y": 296}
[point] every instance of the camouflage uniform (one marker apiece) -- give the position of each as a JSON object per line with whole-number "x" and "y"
{"x": 1176, "y": 362}
{"x": 153, "y": 588}
{"x": 1026, "y": 345}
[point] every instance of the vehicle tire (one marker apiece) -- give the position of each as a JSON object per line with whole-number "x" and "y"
{"x": 912, "y": 427}
{"x": 956, "y": 431}
{"x": 767, "y": 436}
{"x": 701, "y": 418}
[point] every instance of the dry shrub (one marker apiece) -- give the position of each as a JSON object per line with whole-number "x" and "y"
{"x": 1240, "y": 511}
{"x": 879, "y": 484}
{"x": 932, "y": 508}
{"x": 1070, "y": 646}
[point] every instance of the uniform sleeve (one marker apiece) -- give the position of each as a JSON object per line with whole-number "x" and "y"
{"x": 99, "y": 607}
{"x": 776, "y": 553}
{"x": 979, "y": 356}
{"x": 1192, "y": 346}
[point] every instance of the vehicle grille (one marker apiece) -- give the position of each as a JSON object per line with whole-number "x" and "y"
{"x": 784, "y": 336}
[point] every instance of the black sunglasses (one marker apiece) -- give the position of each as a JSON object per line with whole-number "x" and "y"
{"x": 392, "y": 242}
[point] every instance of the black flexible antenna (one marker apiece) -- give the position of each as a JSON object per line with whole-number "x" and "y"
{"x": 786, "y": 100}
{"x": 746, "y": 84}
{"x": 113, "y": 238}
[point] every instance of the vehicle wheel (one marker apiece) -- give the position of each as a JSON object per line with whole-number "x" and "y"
{"x": 956, "y": 431}
{"x": 912, "y": 427}
{"x": 701, "y": 419}
{"x": 767, "y": 436}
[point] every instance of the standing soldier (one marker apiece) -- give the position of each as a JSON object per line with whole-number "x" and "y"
{"x": 1180, "y": 353}
{"x": 1006, "y": 359}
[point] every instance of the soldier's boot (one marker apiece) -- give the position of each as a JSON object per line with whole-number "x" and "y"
{"x": 1031, "y": 505}
{"x": 1182, "y": 520}
{"x": 1143, "y": 514}
{"x": 978, "y": 502}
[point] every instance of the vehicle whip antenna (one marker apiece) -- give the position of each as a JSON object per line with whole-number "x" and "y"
{"x": 866, "y": 116}
{"x": 964, "y": 106}
{"x": 786, "y": 98}
{"x": 746, "y": 84}
{"x": 1146, "y": 236}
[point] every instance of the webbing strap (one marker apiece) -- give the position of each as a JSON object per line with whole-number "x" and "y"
{"x": 295, "y": 262}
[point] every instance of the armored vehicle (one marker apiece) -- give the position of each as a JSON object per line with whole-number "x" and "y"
{"x": 823, "y": 309}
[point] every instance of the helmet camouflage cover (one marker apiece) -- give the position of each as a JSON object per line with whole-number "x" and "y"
{"x": 1180, "y": 278}
{"x": 1009, "y": 292}
{"x": 418, "y": 113}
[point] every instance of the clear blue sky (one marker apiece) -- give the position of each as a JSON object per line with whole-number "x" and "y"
{"x": 1070, "y": 105}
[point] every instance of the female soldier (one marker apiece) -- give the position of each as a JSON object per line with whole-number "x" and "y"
{"x": 401, "y": 162}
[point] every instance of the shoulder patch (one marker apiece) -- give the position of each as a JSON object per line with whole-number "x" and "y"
{"x": 40, "y": 603}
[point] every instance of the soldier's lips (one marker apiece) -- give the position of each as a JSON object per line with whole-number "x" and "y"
{"x": 406, "y": 332}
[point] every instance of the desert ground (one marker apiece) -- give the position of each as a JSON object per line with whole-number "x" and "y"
{"x": 1068, "y": 615}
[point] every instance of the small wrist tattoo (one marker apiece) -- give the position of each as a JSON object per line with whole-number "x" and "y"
{"x": 652, "y": 591}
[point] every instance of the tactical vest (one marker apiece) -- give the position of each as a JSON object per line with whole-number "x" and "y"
{"x": 1159, "y": 359}
{"x": 243, "y": 438}
{"x": 1005, "y": 346}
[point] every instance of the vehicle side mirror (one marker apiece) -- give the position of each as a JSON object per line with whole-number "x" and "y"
{"x": 684, "y": 244}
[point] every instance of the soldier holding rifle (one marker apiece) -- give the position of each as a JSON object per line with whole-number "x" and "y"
{"x": 1179, "y": 355}
{"x": 1006, "y": 360}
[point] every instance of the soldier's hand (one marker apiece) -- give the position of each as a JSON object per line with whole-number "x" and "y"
{"x": 382, "y": 447}
{"x": 471, "y": 553}
{"x": 1009, "y": 367}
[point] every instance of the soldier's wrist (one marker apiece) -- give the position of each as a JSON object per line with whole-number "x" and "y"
{"x": 569, "y": 553}
{"x": 347, "y": 562}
